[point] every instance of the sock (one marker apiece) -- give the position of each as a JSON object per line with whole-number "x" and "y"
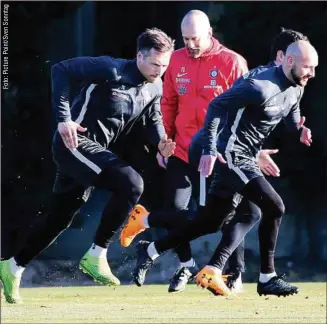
{"x": 16, "y": 270}
{"x": 265, "y": 277}
{"x": 188, "y": 264}
{"x": 152, "y": 251}
{"x": 98, "y": 251}
{"x": 216, "y": 270}
{"x": 146, "y": 222}
{"x": 239, "y": 279}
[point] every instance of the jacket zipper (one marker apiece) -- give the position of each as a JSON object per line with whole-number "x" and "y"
{"x": 197, "y": 93}
{"x": 122, "y": 120}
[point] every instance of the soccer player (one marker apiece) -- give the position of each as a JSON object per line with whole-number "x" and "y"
{"x": 247, "y": 214}
{"x": 117, "y": 95}
{"x": 197, "y": 73}
{"x": 255, "y": 106}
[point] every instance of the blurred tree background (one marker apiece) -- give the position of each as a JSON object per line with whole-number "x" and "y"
{"x": 43, "y": 33}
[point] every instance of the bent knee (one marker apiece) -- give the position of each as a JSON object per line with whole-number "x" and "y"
{"x": 280, "y": 209}
{"x": 255, "y": 217}
{"x": 276, "y": 209}
{"x": 136, "y": 184}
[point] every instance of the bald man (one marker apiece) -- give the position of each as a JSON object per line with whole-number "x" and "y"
{"x": 301, "y": 56}
{"x": 255, "y": 106}
{"x": 197, "y": 73}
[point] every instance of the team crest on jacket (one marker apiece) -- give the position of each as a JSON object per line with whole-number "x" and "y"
{"x": 181, "y": 89}
{"x": 213, "y": 73}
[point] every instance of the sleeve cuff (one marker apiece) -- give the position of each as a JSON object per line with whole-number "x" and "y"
{"x": 63, "y": 119}
{"x": 210, "y": 152}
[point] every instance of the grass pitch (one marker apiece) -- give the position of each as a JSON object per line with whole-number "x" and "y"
{"x": 153, "y": 304}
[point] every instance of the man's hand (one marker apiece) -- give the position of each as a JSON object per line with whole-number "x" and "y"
{"x": 162, "y": 161}
{"x": 166, "y": 147}
{"x": 267, "y": 164}
{"x": 207, "y": 163}
{"x": 306, "y": 137}
{"x": 68, "y": 132}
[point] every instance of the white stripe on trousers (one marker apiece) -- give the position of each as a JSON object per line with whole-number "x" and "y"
{"x": 79, "y": 119}
{"x": 86, "y": 161}
{"x": 202, "y": 190}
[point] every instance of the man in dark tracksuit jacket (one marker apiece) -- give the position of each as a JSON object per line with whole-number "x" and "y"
{"x": 117, "y": 95}
{"x": 254, "y": 108}
{"x": 251, "y": 211}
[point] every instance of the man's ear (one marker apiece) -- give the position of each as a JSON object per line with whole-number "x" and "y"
{"x": 290, "y": 60}
{"x": 210, "y": 32}
{"x": 279, "y": 57}
{"x": 139, "y": 56}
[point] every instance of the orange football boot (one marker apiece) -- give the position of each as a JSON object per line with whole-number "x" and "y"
{"x": 134, "y": 225}
{"x": 214, "y": 282}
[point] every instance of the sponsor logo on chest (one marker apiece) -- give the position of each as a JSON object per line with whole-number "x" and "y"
{"x": 181, "y": 81}
{"x": 181, "y": 77}
{"x": 213, "y": 73}
{"x": 120, "y": 95}
{"x": 181, "y": 89}
{"x": 275, "y": 106}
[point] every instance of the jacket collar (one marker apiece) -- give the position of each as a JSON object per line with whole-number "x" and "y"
{"x": 213, "y": 49}
{"x": 284, "y": 80}
{"x": 133, "y": 74}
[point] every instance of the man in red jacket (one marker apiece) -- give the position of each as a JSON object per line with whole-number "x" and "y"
{"x": 197, "y": 73}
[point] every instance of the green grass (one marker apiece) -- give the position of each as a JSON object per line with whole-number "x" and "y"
{"x": 153, "y": 304}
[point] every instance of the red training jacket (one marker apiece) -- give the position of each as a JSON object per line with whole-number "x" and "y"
{"x": 189, "y": 86}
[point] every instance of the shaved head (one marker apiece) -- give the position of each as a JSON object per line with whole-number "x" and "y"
{"x": 300, "y": 61}
{"x": 196, "y": 19}
{"x": 302, "y": 49}
{"x": 196, "y": 32}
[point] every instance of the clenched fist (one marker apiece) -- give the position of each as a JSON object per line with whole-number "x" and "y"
{"x": 166, "y": 147}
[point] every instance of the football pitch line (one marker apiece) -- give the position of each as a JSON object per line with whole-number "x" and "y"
{"x": 153, "y": 304}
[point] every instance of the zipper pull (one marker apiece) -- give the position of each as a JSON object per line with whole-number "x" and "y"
{"x": 122, "y": 119}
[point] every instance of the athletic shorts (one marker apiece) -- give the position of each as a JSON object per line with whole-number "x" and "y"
{"x": 194, "y": 155}
{"x": 232, "y": 177}
{"x": 80, "y": 167}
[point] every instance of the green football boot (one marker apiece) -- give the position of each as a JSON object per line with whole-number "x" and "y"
{"x": 98, "y": 269}
{"x": 10, "y": 283}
